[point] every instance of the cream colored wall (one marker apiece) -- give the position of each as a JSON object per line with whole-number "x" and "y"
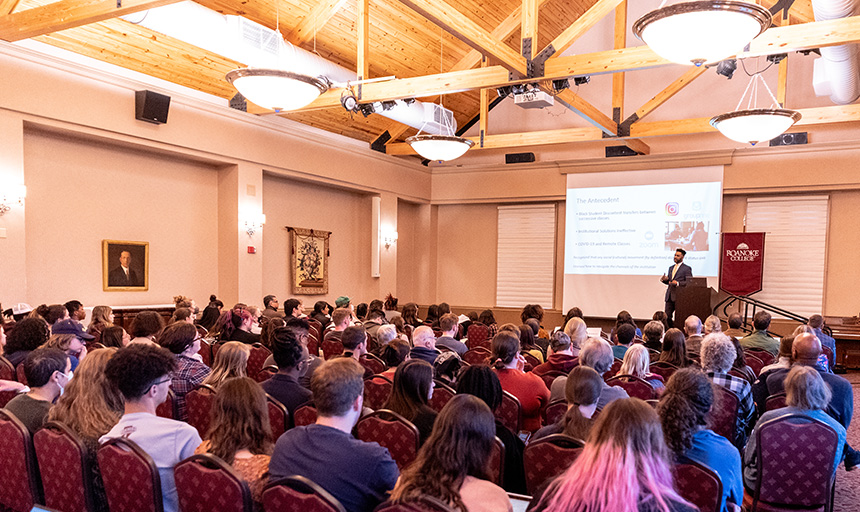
{"x": 466, "y": 252}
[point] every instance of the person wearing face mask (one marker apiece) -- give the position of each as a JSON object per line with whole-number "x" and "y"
{"x": 48, "y": 371}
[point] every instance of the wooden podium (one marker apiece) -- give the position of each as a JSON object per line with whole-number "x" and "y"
{"x": 693, "y": 299}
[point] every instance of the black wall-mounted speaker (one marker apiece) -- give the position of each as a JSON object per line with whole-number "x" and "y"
{"x": 151, "y": 107}
{"x": 789, "y": 139}
{"x": 613, "y": 151}
{"x": 519, "y": 158}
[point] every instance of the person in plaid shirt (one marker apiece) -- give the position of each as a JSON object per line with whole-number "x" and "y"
{"x": 182, "y": 339}
{"x": 718, "y": 353}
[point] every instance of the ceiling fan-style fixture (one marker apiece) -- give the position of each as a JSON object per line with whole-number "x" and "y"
{"x": 277, "y": 89}
{"x": 702, "y": 31}
{"x": 439, "y": 147}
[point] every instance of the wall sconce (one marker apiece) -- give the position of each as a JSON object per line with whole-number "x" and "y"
{"x": 11, "y": 195}
{"x": 253, "y": 223}
{"x": 389, "y": 238}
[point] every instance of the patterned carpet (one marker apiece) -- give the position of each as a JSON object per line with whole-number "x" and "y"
{"x": 848, "y": 484}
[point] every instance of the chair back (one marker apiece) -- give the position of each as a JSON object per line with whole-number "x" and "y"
{"x": 635, "y": 387}
{"x": 442, "y": 393}
{"x": 376, "y": 391}
{"x": 256, "y": 358}
{"x": 765, "y": 356}
{"x": 316, "y": 327}
{"x": 663, "y": 369}
{"x": 391, "y": 431}
{"x": 65, "y": 469}
{"x": 266, "y": 373}
{"x": 754, "y": 363}
{"x": 477, "y": 355}
{"x": 510, "y": 412}
{"x": 298, "y": 494}
{"x": 205, "y": 483}
{"x": 548, "y": 457}
{"x": 279, "y": 417}
{"x": 19, "y": 372}
{"x": 550, "y": 376}
{"x": 167, "y": 408}
{"x": 19, "y": 471}
{"x": 831, "y": 358}
{"x": 555, "y": 411}
{"x": 372, "y": 363}
{"x": 496, "y": 462}
{"x": 198, "y": 404}
{"x": 795, "y": 462}
{"x": 699, "y": 485}
{"x": 478, "y": 335}
{"x": 776, "y": 401}
{"x": 614, "y": 369}
{"x": 205, "y": 350}
{"x": 7, "y": 370}
{"x": 331, "y": 348}
{"x": 724, "y": 414}
{"x": 305, "y": 414}
{"x": 313, "y": 344}
{"x": 739, "y": 374}
{"x": 532, "y": 362}
{"x": 130, "y": 477}
{"x": 6, "y": 397}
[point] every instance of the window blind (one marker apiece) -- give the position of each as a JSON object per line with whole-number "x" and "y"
{"x": 526, "y": 255}
{"x": 794, "y": 250}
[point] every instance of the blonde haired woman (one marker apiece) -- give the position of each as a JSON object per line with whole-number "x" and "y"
{"x": 102, "y": 318}
{"x": 636, "y": 363}
{"x": 578, "y": 332}
{"x": 230, "y": 361}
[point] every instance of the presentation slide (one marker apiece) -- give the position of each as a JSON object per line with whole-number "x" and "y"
{"x": 634, "y": 230}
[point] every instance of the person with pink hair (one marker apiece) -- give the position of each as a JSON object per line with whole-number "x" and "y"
{"x": 624, "y": 467}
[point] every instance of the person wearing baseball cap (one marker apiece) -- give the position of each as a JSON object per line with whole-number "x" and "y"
{"x": 342, "y": 302}
{"x": 69, "y": 326}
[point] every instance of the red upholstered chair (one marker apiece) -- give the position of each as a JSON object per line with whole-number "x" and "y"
{"x": 205, "y": 350}
{"x": 634, "y": 386}
{"x": 554, "y": 412}
{"x": 776, "y": 401}
{"x": 316, "y": 327}
{"x": 391, "y": 431}
{"x": 266, "y": 373}
{"x": 724, "y": 414}
{"x": 478, "y": 335}
{"x": 167, "y": 408}
{"x": 663, "y": 369}
{"x": 256, "y": 358}
{"x": 65, "y": 469}
{"x": 279, "y": 417}
{"x": 548, "y": 457}
{"x": 313, "y": 344}
{"x": 298, "y": 494}
{"x": 305, "y": 414}
{"x": 614, "y": 369}
{"x": 477, "y": 355}
{"x": 765, "y": 356}
{"x": 510, "y": 412}
{"x": 131, "y": 479}
{"x": 496, "y": 462}
{"x": 19, "y": 472}
{"x": 373, "y": 363}
{"x": 831, "y": 357}
{"x": 205, "y": 483}
{"x": 376, "y": 391}
{"x": 741, "y": 375}
{"x": 699, "y": 485}
{"x": 795, "y": 465}
{"x": 22, "y": 377}
{"x": 754, "y": 363}
{"x": 198, "y": 405}
{"x": 531, "y": 361}
{"x": 442, "y": 393}
{"x": 331, "y": 348}
{"x": 6, "y": 397}
{"x": 7, "y": 370}
{"x": 550, "y": 376}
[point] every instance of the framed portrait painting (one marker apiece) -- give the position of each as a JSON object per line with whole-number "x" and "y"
{"x": 125, "y": 266}
{"x": 309, "y": 261}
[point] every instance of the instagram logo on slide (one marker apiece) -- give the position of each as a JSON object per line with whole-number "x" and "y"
{"x": 672, "y": 209}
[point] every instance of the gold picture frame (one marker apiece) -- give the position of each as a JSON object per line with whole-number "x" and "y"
{"x": 125, "y": 266}
{"x": 309, "y": 261}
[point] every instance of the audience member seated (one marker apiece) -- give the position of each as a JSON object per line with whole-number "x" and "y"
{"x": 487, "y": 318}
{"x": 28, "y": 335}
{"x": 242, "y": 321}
{"x": 145, "y": 326}
{"x": 142, "y": 372}
{"x": 90, "y": 407}
{"x": 652, "y": 335}
{"x": 483, "y": 382}
{"x": 321, "y": 313}
{"x": 361, "y": 312}
{"x": 453, "y": 462}
{"x": 805, "y": 393}
{"x": 410, "y": 315}
{"x": 239, "y": 433}
{"x": 301, "y": 328}
{"x": 718, "y": 355}
{"x": 182, "y": 315}
{"x": 341, "y": 318}
{"x": 400, "y": 326}
{"x": 823, "y": 363}
{"x": 374, "y": 320}
{"x": 358, "y": 474}
{"x": 182, "y": 340}
{"x": 581, "y": 392}
{"x": 70, "y": 345}
{"x": 636, "y": 362}
{"x": 712, "y": 324}
{"x": 393, "y": 354}
{"x": 7, "y": 385}
{"x": 48, "y": 371}
{"x": 390, "y": 307}
{"x": 674, "y": 349}
{"x": 292, "y": 359}
{"x": 693, "y": 333}
{"x": 424, "y": 345}
{"x": 413, "y": 387}
{"x": 55, "y": 313}
{"x": 625, "y": 447}
{"x": 294, "y": 308}
{"x": 270, "y": 307}
{"x": 660, "y": 316}
{"x": 528, "y": 344}
{"x": 537, "y": 330}
{"x": 622, "y": 318}
{"x": 535, "y": 312}
{"x": 624, "y": 335}
{"x": 577, "y": 331}
{"x": 784, "y": 359}
{"x": 102, "y": 318}
{"x": 561, "y": 358}
{"x": 683, "y": 411}
{"x": 596, "y": 354}
{"x": 760, "y": 339}
{"x": 384, "y": 335}
{"x": 230, "y": 361}
{"x": 573, "y": 312}
{"x": 529, "y": 389}
{"x": 735, "y": 321}
{"x": 447, "y": 368}
{"x": 211, "y": 313}
{"x": 816, "y": 322}
{"x": 740, "y": 363}
{"x": 450, "y": 326}
{"x": 114, "y": 336}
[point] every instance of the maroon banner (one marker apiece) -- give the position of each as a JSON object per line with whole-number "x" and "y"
{"x": 742, "y": 263}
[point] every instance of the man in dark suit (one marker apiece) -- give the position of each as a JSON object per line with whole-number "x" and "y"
{"x": 677, "y": 276}
{"x": 123, "y": 275}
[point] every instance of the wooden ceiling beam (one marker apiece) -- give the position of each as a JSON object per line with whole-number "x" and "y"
{"x": 314, "y": 21}
{"x": 529, "y": 28}
{"x": 67, "y": 14}
{"x": 466, "y": 30}
{"x": 588, "y": 111}
{"x": 620, "y": 40}
{"x": 664, "y": 95}
{"x": 363, "y": 41}
{"x": 516, "y": 140}
{"x": 587, "y": 20}
{"x": 7, "y": 6}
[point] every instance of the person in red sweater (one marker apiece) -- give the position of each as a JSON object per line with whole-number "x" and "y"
{"x": 561, "y": 358}
{"x": 528, "y": 388}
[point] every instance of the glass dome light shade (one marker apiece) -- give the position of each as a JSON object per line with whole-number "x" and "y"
{"x": 756, "y": 125}
{"x": 276, "y": 89}
{"x": 440, "y": 147}
{"x": 702, "y": 31}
